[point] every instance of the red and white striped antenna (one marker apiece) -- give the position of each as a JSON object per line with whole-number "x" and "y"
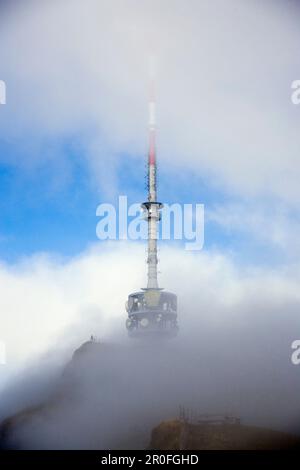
{"x": 152, "y": 207}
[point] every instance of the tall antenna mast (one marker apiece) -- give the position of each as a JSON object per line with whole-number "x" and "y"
{"x": 153, "y": 310}
{"x": 152, "y": 207}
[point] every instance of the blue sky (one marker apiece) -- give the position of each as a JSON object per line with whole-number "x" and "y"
{"x": 45, "y": 211}
{"x": 40, "y": 213}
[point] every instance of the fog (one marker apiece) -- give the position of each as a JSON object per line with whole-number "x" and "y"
{"x": 232, "y": 355}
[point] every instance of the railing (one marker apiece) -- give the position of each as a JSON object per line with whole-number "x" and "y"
{"x": 190, "y": 416}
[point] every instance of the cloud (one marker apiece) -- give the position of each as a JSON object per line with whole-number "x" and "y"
{"x": 78, "y": 72}
{"x": 224, "y": 94}
{"x": 233, "y": 348}
{"x": 42, "y": 296}
{"x": 47, "y": 303}
{"x": 275, "y": 227}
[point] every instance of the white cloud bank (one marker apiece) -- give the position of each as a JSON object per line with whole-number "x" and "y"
{"x": 47, "y": 303}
